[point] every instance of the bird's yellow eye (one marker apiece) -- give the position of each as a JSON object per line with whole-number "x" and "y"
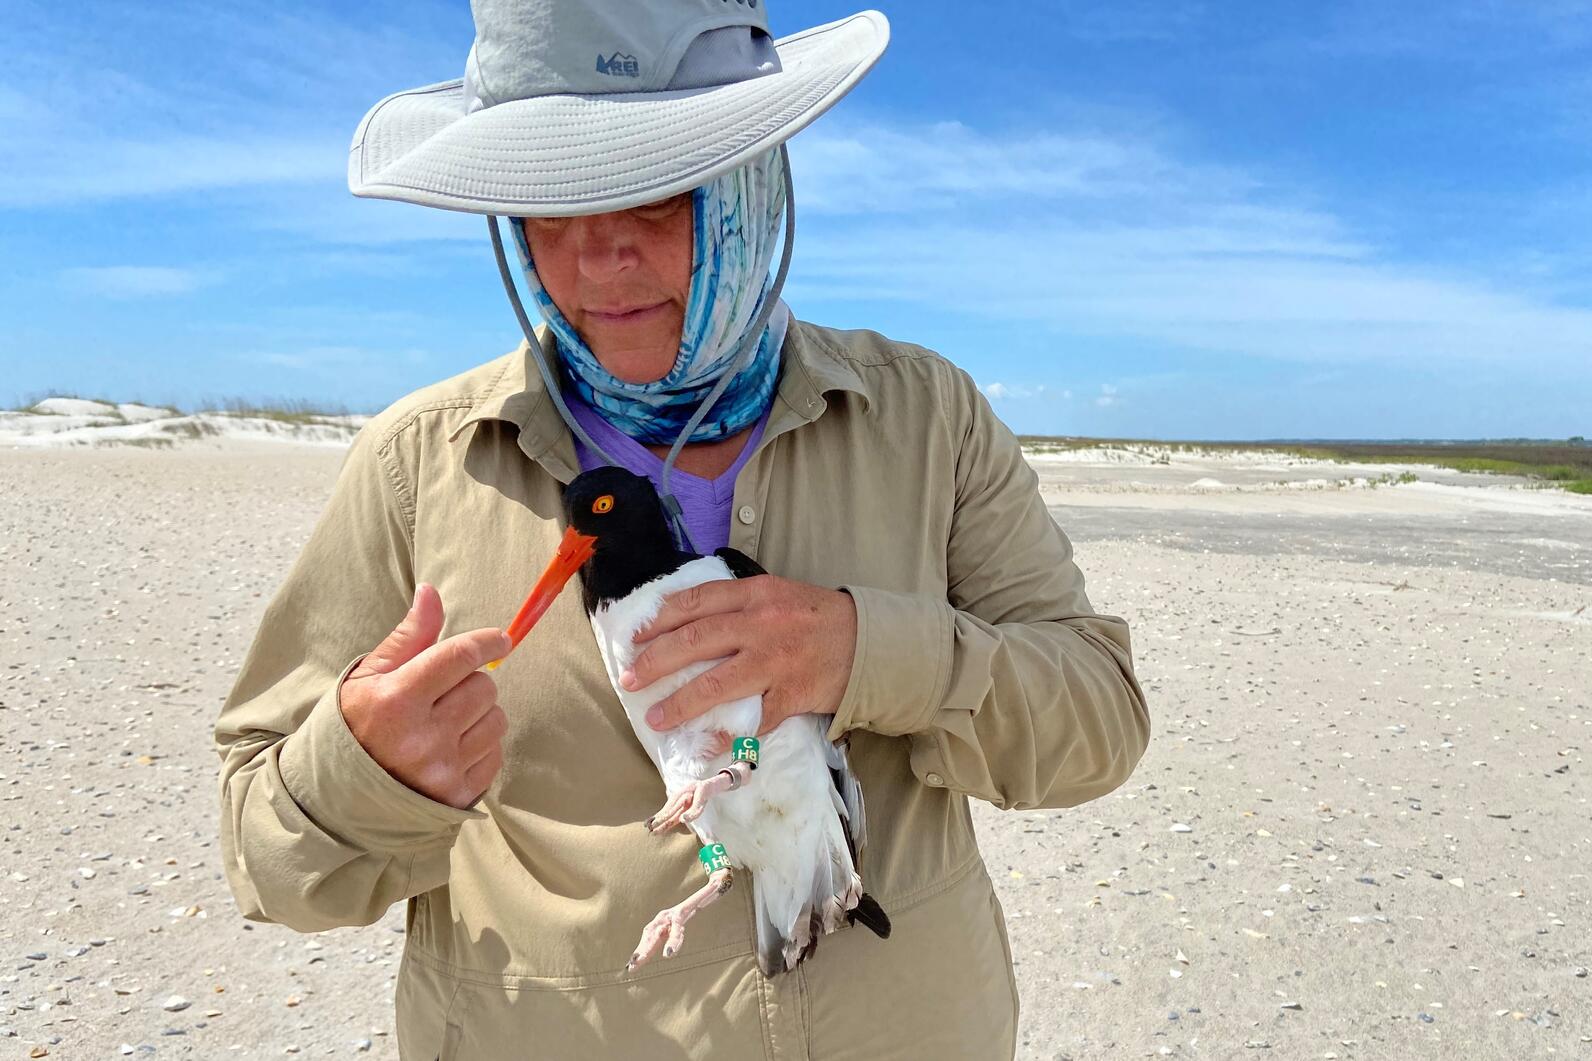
{"x": 603, "y": 504}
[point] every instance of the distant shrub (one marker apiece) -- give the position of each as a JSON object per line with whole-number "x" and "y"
{"x": 286, "y": 410}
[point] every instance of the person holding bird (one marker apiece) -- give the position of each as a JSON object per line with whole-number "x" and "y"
{"x": 821, "y": 603}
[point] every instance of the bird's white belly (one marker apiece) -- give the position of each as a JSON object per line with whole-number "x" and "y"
{"x": 792, "y": 777}
{"x": 681, "y": 753}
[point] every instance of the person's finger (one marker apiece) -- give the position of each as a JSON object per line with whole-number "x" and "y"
{"x": 417, "y": 632}
{"x": 447, "y": 663}
{"x": 770, "y": 720}
{"x": 478, "y": 775}
{"x": 693, "y": 602}
{"x": 485, "y": 734}
{"x": 461, "y": 706}
{"x": 718, "y": 684}
{"x": 713, "y": 637}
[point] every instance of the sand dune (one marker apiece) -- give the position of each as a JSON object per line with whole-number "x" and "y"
{"x": 57, "y": 422}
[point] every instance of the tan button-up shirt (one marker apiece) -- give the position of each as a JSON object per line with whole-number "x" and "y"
{"x": 980, "y": 671}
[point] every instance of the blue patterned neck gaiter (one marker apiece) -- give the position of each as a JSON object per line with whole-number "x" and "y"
{"x": 737, "y": 219}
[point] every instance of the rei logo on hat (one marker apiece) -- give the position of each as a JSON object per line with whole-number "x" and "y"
{"x": 619, "y": 65}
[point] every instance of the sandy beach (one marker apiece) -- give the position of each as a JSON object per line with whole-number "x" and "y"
{"x": 1362, "y": 829}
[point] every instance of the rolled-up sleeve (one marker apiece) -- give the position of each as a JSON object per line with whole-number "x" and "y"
{"x": 1009, "y": 688}
{"x": 314, "y": 832}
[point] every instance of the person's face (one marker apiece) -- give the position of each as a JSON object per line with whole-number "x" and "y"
{"x": 621, "y": 279}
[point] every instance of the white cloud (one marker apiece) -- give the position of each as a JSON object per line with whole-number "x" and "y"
{"x": 1129, "y": 243}
{"x": 1132, "y": 21}
{"x": 877, "y": 168}
{"x": 1004, "y": 391}
{"x": 85, "y": 166}
{"x": 170, "y": 100}
{"x": 117, "y": 138}
{"x": 326, "y": 213}
{"x": 135, "y": 281}
{"x": 333, "y": 360}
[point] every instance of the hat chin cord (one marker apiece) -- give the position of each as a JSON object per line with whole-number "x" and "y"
{"x": 743, "y": 357}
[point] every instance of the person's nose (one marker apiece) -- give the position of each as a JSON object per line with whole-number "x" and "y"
{"x": 605, "y": 246}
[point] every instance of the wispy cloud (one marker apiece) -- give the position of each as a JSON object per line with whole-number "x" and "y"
{"x": 135, "y": 281}
{"x": 333, "y": 360}
{"x": 1190, "y": 256}
{"x": 1132, "y": 21}
{"x": 162, "y": 100}
{"x": 884, "y": 168}
{"x": 328, "y": 213}
{"x": 58, "y": 173}
{"x": 1471, "y": 33}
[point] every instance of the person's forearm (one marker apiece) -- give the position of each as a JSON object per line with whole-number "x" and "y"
{"x": 1022, "y": 714}
{"x": 316, "y": 835}
{"x": 314, "y": 832}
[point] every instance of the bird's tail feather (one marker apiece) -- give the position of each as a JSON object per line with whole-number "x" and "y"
{"x": 871, "y": 915}
{"x": 770, "y": 936}
{"x": 791, "y": 915}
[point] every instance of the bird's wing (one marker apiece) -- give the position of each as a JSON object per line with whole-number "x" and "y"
{"x": 848, "y": 796}
{"x": 740, "y": 565}
{"x": 847, "y": 792}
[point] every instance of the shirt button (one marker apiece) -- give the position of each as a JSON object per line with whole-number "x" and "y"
{"x": 935, "y": 779}
{"x": 747, "y": 514}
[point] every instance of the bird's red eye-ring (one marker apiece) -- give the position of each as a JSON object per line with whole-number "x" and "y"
{"x": 603, "y": 504}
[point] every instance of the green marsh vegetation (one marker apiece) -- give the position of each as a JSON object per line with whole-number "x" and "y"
{"x": 1566, "y": 464}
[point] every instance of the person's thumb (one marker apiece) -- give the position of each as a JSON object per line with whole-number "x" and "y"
{"x": 418, "y": 632}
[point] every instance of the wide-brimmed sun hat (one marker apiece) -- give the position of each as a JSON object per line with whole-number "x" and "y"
{"x": 584, "y": 106}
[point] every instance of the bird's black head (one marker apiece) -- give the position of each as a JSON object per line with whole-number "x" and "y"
{"x": 622, "y": 511}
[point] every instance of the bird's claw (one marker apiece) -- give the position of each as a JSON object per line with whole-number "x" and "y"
{"x": 668, "y": 926}
{"x": 689, "y": 804}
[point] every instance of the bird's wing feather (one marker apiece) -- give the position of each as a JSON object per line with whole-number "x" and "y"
{"x": 740, "y": 565}
{"x": 848, "y": 794}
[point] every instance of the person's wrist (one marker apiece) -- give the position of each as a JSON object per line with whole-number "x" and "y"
{"x": 843, "y": 636}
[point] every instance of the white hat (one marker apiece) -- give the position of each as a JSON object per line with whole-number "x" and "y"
{"x": 586, "y": 106}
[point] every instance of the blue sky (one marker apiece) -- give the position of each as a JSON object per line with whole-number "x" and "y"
{"x": 1130, "y": 218}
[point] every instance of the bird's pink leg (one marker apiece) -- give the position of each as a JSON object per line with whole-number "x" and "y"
{"x": 668, "y": 928}
{"x": 688, "y": 804}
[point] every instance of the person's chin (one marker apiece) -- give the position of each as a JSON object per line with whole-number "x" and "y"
{"x": 634, "y": 354}
{"x": 637, "y": 362}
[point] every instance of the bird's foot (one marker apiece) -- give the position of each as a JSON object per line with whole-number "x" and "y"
{"x": 687, "y": 805}
{"x": 668, "y": 928}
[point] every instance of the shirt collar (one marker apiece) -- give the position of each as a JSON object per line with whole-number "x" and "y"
{"x": 811, "y": 368}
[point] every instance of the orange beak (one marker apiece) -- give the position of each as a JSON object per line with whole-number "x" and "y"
{"x": 574, "y": 550}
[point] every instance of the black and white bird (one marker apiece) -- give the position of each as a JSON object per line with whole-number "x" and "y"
{"x": 793, "y": 815}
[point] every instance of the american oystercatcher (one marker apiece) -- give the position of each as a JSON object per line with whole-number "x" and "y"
{"x": 786, "y": 807}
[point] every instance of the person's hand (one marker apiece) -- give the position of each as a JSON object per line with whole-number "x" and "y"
{"x": 790, "y": 641}
{"x": 424, "y": 711}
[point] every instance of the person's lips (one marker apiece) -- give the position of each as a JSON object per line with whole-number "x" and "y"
{"x": 626, "y": 314}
